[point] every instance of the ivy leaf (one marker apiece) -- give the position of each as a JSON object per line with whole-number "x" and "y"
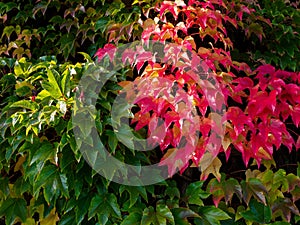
{"x": 108, "y": 49}
{"x": 158, "y": 217}
{"x": 285, "y": 207}
{"x": 42, "y": 154}
{"x": 132, "y": 218}
{"x": 194, "y": 193}
{"x": 52, "y": 181}
{"x": 211, "y": 215}
{"x": 230, "y": 187}
{"x": 105, "y": 206}
{"x": 149, "y": 216}
{"x": 253, "y": 187}
{"x": 258, "y": 212}
{"x": 51, "y": 219}
{"x": 182, "y": 214}
{"x": 163, "y": 214}
{"x": 12, "y": 208}
{"x": 213, "y": 168}
{"x": 101, "y": 24}
{"x": 82, "y": 207}
{"x": 134, "y": 193}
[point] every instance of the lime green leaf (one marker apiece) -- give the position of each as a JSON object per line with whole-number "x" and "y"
{"x": 149, "y": 216}
{"x": 86, "y": 56}
{"x": 53, "y": 86}
{"x": 164, "y": 214}
{"x": 8, "y": 31}
{"x": 27, "y": 104}
{"x": 65, "y": 83}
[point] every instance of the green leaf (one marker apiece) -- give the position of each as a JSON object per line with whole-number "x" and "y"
{"x": 230, "y": 187}
{"x": 181, "y": 215}
{"x": 212, "y": 215}
{"x": 149, "y": 216}
{"x": 52, "y": 181}
{"x": 26, "y": 104}
{"x": 253, "y": 187}
{"x": 164, "y": 214}
{"x": 158, "y": 217}
{"x": 13, "y": 208}
{"x": 82, "y": 207}
{"x": 112, "y": 141}
{"x": 67, "y": 219}
{"x": 45, "y": 152}
{"x": 134, "y": 193}
{"x": 8, "y": 31}
{"x": 284, "y": 208}
{"x": 86, "y": 56}
{"x": 104, "y": 205}
{"x": 65, "y": 83}
{"x": 101, "y": 24}
{"x": 132, "y": 218}
{"x": 258, "y": 212}
{"x": 4, "y": 188}
{"x": 194, "y": 193}
{"x": 53, "y": 85}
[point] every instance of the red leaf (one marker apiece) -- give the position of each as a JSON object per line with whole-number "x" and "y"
{"x": 170, "y": 117}
{"x": 262, "y": 72}
{"x": 238, "y": 119}
{"x": 108, "y": 49}
{"x": 262, "y": 104}
{"x": 129, "y": 54}
{"x": 295, "y": 113}
{"x": 298, "y": 143}
{"x": 142, "y": 119}
{"x": 243, "y": 83}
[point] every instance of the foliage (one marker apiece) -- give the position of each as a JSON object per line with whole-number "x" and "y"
{"x": 281, "y": 45}
{"x": 251, "y": 128}
{"x": 44, "y": 177}
{"x": 61, "y": 28}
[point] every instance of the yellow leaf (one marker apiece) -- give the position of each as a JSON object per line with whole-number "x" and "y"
{"x": 22, "y": 84}
{"x": 51, "y": 219}
{"x": 29, "y": 221}
{"x": 205, "y": 161}
{"x": 214, "y": 168}
{"x": 20, "y": 162}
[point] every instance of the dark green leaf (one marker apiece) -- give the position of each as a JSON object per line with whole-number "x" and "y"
{"x": 13, "y": 208}
{"x": 258, "y": 212}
